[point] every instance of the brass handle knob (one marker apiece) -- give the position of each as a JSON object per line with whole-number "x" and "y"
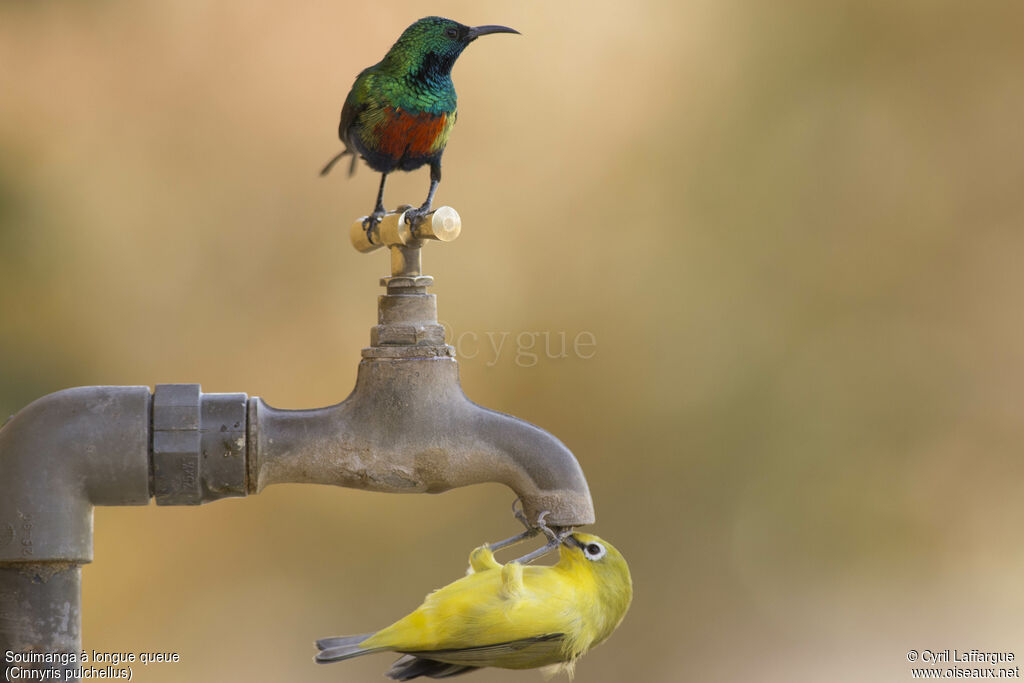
{"x": 442, "y": 224}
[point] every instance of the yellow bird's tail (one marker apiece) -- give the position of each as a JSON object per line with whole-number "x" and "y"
{"x": 343, "y": 647}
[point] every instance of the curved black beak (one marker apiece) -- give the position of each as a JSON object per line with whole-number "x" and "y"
{"x": 477, "y": 31}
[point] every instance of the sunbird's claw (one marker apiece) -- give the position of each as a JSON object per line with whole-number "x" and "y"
{"x": 413, "y": 216}
{"x": 371, "y": 221}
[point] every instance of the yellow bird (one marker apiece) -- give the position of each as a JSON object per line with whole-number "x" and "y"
{"x": 507, "y": 616}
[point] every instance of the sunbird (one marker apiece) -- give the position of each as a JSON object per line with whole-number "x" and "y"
{"x": 401, "y": 110}
{"x": 505, "y": 615}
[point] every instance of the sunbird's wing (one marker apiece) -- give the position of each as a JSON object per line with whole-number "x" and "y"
{"x": 359, "y": 105}
{"x": 357, "y": 100}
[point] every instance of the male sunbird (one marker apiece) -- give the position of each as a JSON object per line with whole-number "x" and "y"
{"x": 507, "y": 616}
{"x": 401, "y": 110}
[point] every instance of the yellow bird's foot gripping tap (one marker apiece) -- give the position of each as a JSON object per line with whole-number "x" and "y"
{"x": 555, "y": 538}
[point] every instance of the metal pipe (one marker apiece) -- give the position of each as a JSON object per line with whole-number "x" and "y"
{"x": 60, "y": 456}
{"x": 29, "y": 590}
{"x": 77, "y": 448}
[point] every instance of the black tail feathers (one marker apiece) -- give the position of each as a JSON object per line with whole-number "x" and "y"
{"x": 330, "y": 164}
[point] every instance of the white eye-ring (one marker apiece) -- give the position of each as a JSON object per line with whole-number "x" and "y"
{"x": 594, "y": 551}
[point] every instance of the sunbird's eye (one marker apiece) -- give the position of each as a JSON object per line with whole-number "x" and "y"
{"x": 594, "y": 551}
{"x": 452, "y": 33}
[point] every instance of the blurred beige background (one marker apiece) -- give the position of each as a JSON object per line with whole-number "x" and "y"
{"x": 793, "y": 230}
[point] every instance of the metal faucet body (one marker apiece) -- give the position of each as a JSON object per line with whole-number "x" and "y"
{"x": 408, "y": 428}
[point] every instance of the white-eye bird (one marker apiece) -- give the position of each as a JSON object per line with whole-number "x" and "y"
{"x": 506, "y": 616}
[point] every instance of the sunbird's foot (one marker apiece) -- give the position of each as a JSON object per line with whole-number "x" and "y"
{"x": 372, "y": 221}
{"x": 414, "y": 216}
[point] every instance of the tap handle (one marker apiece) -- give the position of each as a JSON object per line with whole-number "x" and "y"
{"x": 442, "y": 224}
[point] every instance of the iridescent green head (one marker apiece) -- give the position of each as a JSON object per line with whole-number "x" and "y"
{"x": 431, "y": 45}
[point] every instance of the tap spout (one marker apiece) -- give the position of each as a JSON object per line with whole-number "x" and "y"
{"x": 408, "y": 427}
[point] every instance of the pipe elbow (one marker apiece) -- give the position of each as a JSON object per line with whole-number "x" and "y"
{"x": 68, "y": 451}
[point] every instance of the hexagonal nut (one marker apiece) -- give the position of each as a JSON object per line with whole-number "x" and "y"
{"x": 405, "y": 281}
{"x": 176, "y": 444}
{"x": 407, "y": 334}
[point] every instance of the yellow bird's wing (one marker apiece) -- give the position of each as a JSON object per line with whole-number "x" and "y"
{"x": 518, "y": 654}
{"x": 516, "y": 616}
